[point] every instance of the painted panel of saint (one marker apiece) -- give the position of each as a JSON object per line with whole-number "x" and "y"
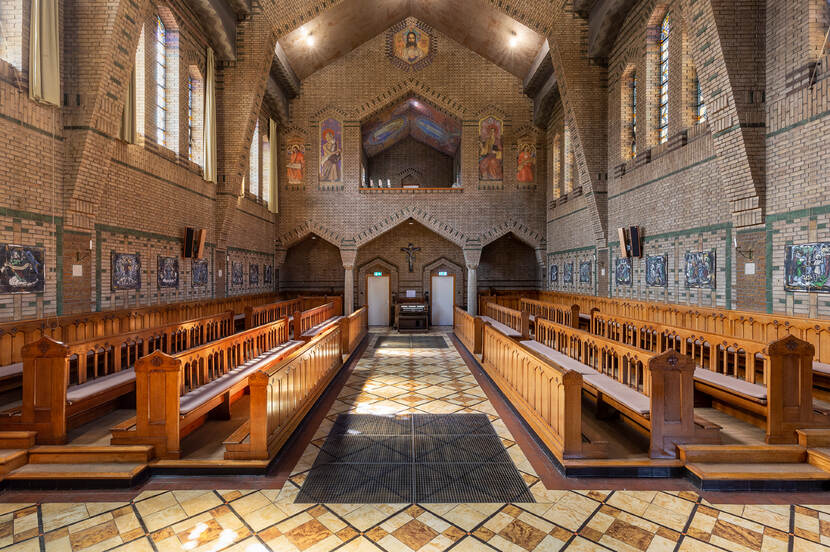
{"x": 295, "y": 163}
{"x": 331, "y": 154}
{"x": 168, "y": 272}
{"x": 807, "y": 267}
{"x": 126, "y": 271}
{"x": 237, "y": 274}
{"x": 199, "y": 268}
{"x": 526, "y": 163}
{"x": 491, "y": 154}
{"x": 21, "y": 269}
{"x": 700, "y": 269}
{"x": 657, "y": 271}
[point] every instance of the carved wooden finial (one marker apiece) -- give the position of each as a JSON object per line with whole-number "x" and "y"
{"x": 156, "y": 360}
{"x": 43, "y": 346}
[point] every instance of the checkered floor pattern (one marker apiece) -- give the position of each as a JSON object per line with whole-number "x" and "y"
{"x": 385, "y": 388}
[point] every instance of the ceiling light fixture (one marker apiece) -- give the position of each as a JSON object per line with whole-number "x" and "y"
{"x": 309, "y": 40}
{"x": 513, "y": 40}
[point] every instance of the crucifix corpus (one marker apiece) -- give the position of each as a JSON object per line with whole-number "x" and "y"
{"x": 410, "y": 253}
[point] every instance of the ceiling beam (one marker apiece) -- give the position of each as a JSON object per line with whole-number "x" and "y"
{"x": 604, "y": 24}
{"x": 544, "y": 101}
{"x": 540, "y": 70}
{"x": 274, "y": 92}
{"x": 219, "y": 20}
{"x": 284, "y": 74}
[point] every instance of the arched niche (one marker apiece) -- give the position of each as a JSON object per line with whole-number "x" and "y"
{"x": 443, "y": 264}
{"x": 378, "y": 264}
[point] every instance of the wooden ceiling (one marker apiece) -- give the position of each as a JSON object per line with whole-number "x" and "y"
{"x": 475, "y": 24}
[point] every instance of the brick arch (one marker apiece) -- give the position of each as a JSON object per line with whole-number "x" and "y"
{"x": 301, "y": 232}
{"x": 452, "y": 268}
{"x": 363, "y": 272}
{"x": 407, "y": 88}
{"x": 534, "y": 239}
{"x": 378, "y": 228}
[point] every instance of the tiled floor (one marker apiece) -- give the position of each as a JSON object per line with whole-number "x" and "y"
{"x": 392, "y": 381}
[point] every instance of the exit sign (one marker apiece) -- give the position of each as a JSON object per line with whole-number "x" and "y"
{"x": 442, "y": 273}
{"x": 378, "y": 274}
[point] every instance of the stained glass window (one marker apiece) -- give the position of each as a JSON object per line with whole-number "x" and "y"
{"x": 161, "y": 83}
{"x": 266, "y": 167}
{"x": 253, "y": 177}
{"x": 700, "y": 107}
{"x": 663, "y": 127}
{"x": 190, "y": 118}
{"x": 633, "y": 114}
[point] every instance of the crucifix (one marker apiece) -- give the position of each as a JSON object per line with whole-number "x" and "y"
{"x": 410, "y": 253}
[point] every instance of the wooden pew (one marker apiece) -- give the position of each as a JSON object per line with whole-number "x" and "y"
{"x": 282, "y": 393}
{"x": 468, "y": 329}
{"x": 547, "y": 395}
{"x": 310, "y": 322}
{"x": 67, "y": 385}
{"x": 510, "y": 322}
{"x": 509, "y": 298}
{"x": 175, "y": 394}
{"x": 270, "y": 312}
{"x": 654, "y": 391}
{"x": 750, "y": 325}
{"x": 555, "y": 312}
{"x": 740, "y": 375}
{"x": 81, "y": 327}
{"x": 355, "y": 327}
{"x": 311, "y": 301}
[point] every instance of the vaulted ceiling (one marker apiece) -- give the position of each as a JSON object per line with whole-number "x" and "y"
{"x": 412, "y": 117}
{"x": 475, "y": 24}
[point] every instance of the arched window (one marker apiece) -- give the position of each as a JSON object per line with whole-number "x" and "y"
{"x": 700, "y": 106}
{"x": 161, "y": 83}
{"x": 568, "y": 159}
{"x": 633, "y": 150}
{"x": 663, "y": 126}
{"x": 253, "y": 176}
{"x": 556, "y": 166}
{"x": 190, "y": 118}
{"x": 195, "y": 115}
{"x": 266, "y": 167}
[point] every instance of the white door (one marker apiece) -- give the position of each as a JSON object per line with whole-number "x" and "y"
{"x": 377, "y": 294}
{"x": 443, "y": 289}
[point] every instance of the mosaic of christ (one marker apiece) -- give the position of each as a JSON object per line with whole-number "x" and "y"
{"x": 411, "y": 45}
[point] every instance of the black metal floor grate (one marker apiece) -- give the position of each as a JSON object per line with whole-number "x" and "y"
{"x": 423, "y": 458}
{"x": 411, "y": 342}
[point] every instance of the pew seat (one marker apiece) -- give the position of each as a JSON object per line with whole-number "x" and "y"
{"x": 103, "y": 386}
{"x": 821, "y": 368}
{"x": 194, "y": 399}
{"x": 11, "y": 376}
{"x": 194, "y": 405}
{"x": 319, "y": 328}
{"x": 636, "y": 404}
{"x": 558, "y": 358}
{"x": 506, "y": 330}
{"x": 631, "y": 399}
{"x": 11, "y": 370}
{"x": 732, "y": 385}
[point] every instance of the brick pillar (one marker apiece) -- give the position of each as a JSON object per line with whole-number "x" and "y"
{"x": 472, "y": 258}
{"x": 348, "y": 255}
